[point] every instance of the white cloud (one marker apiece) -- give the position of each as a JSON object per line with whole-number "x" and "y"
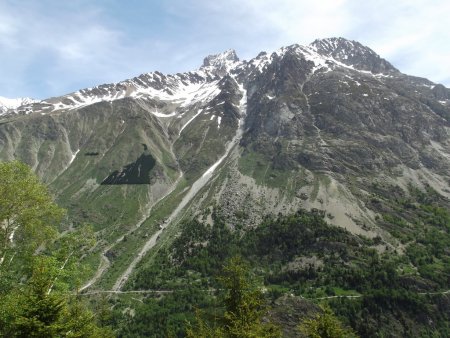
{"x": 57, "y": 50}
{"x": 32, "y": 37}
{"x": 255, "y": 25}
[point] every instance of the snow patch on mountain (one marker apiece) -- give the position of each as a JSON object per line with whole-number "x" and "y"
{"x": 157, "y": 114}
{"x": 15, "y": 103}
{"x": 74, "y": 155}
{"x": 189, "y": 121}
{"x": 183, "y": 89}
{"x": 328, "y": 54}
{"x": 7, "y": 104}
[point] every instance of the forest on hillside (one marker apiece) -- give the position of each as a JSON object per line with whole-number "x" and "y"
{"x": 292, "y": 275}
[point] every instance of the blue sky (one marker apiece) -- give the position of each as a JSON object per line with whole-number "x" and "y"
{"x": 53, "y": 47}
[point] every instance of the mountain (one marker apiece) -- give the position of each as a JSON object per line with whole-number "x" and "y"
{"x": 330, "y": 126}
{"x": 15, "y": 105}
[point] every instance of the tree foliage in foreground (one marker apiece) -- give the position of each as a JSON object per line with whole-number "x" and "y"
{"x": 28, "y": 215}
{"x": 33, "y": 311}
{"x": 37, "y": 264}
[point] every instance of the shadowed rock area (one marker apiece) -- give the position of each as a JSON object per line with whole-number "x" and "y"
{"x": 133, "y": 173}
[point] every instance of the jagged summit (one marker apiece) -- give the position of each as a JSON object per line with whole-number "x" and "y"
{"x": 220, "y": 59}
{"x": 220, "y": 64}
{"x": 352, "y": 53}
{"x": 329, "y": 45}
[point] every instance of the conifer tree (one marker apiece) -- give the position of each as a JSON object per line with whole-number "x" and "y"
{"x": 244, "y": 308}
{"x": 325, "y": 325}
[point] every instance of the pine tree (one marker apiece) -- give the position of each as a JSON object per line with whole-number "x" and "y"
{"x": 325, "y": 325}
{"x": 244, "y": 308}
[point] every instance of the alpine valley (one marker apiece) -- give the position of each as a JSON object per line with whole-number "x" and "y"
{"x": 323, "y": 166}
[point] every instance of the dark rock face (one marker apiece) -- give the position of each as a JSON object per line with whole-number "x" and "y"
{"x": 202, "y": 145}
{"x": 440, "y": 92}
{"x": 276, "y": 99}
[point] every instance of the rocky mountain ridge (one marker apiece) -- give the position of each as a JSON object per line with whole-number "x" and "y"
{"x": 337, "y": 51}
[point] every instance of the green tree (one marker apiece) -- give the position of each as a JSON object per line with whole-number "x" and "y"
{"x": 28, "y": 215}
{"x": 40, "y": 313}
{"x": 37, "y": 264}
{"x": 203, "y": 329}
{"x": 244, "y": 308}
{"x": 66, "y": 253}
{"x": 325, "y": 325}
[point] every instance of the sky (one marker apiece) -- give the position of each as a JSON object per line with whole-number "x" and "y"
{"x": 54, "y": 47}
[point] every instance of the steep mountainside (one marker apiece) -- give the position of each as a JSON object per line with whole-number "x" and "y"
{"x": 320, "y": 126}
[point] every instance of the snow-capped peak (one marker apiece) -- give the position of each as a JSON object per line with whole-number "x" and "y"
{"x": 217, "y": 60}
{"x": 352, "y": 53}
{"x": 196, "y": 86}
{"x": 329, "y": 45}
{"x": 15, "y": 103}
{"x": 220, "y": 64}
{"x": 8, "y": 105}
